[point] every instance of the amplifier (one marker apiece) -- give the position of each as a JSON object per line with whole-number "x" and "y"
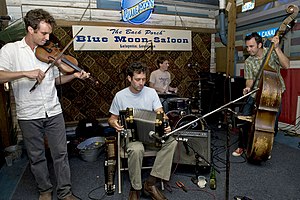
{"x": 193, "y": 147}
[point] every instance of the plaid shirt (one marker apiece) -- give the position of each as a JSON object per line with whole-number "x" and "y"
{"x": 253, "y": 63}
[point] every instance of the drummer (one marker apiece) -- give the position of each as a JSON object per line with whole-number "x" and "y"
{"x": 160, "y": 80}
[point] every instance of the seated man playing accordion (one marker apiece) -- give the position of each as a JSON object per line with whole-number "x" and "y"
{"x": 138, "y": 96}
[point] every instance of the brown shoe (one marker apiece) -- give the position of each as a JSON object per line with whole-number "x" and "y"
{"x": 46, "y": 196}
{"x": 154, "y": 192}
{"x": 134, "y": 195}
{"x": 71, "y": 197}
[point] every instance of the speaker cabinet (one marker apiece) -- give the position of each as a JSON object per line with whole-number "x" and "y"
{"x": 193, "y": 147}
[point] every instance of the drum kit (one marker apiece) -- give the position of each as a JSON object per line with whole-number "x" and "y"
{"x": 180, "y": 112}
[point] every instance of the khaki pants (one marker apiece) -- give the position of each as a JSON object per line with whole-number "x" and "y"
{"x": 162, "y": 164}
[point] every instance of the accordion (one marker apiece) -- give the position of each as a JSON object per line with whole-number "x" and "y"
{"x": 138, "y": 124}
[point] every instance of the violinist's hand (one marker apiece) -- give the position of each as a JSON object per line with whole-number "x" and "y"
{"x": 276, "y": 41}
{"x": 58, "y": 63}
{"x": 37, "y": 74}
{"x": 82, "y": 75}
{"x": 246, "y": 90}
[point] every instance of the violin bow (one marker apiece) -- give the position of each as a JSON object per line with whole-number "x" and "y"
{"x": 57, "y": 58}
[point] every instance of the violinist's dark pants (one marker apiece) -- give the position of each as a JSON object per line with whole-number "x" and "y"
{"x": 34, "y": 132}
{"x": 247, "y": 111}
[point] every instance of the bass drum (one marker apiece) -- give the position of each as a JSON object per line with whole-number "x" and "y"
{"x": 177, "y": 120}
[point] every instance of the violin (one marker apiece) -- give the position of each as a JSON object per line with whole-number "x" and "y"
{"x": 49, "y": 52}
{"x": 54, "y": 58}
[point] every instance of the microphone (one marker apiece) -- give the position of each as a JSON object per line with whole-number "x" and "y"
{"x": 8, "y": 18}
{"x": 153, "y": 135}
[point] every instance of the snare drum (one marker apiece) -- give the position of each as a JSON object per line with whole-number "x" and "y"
{"x": 179, "y": 104}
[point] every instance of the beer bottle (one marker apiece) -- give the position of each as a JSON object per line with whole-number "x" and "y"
{"x": 212, "y": 179}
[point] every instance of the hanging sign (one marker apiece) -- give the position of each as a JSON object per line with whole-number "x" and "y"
{"x": 136, "y": 11}
{"x": 268, "y": 33}
{"x": 131, "y": 39}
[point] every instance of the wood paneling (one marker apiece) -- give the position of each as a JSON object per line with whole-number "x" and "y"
{"x": 3, "y": 8}
{"x": 3, "y": 12}
{"x": 231, "y": 39}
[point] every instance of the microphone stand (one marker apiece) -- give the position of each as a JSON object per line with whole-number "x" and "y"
{"x": 148, "y": 48}
{"x": 229, "y": 128}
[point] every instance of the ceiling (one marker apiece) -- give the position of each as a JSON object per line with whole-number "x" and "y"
{"x": 214, "y": 4}
{"x": 206, "y": 4}
{"x": 265, "y": 12}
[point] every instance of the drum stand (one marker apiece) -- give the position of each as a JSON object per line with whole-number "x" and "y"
{"x": 229, "y": 126}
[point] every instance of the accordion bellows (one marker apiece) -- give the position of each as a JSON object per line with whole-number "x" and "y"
{"x": 145, "y": 122}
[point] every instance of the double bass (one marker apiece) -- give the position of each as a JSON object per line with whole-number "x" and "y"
{"x": 268, "y": 100}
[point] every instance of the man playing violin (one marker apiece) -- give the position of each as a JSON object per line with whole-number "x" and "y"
{"x": 257, "y": 53}
{"x": 39, "y": 112}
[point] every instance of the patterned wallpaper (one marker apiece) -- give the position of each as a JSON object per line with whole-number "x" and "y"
{"x": 84, "y": 99}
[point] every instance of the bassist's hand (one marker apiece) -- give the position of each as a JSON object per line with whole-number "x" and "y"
{"x": 246, "y": 90}
{"x": 275, "y": 40}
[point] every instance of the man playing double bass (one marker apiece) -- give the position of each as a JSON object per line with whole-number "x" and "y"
{"x": 257, "y": 54}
